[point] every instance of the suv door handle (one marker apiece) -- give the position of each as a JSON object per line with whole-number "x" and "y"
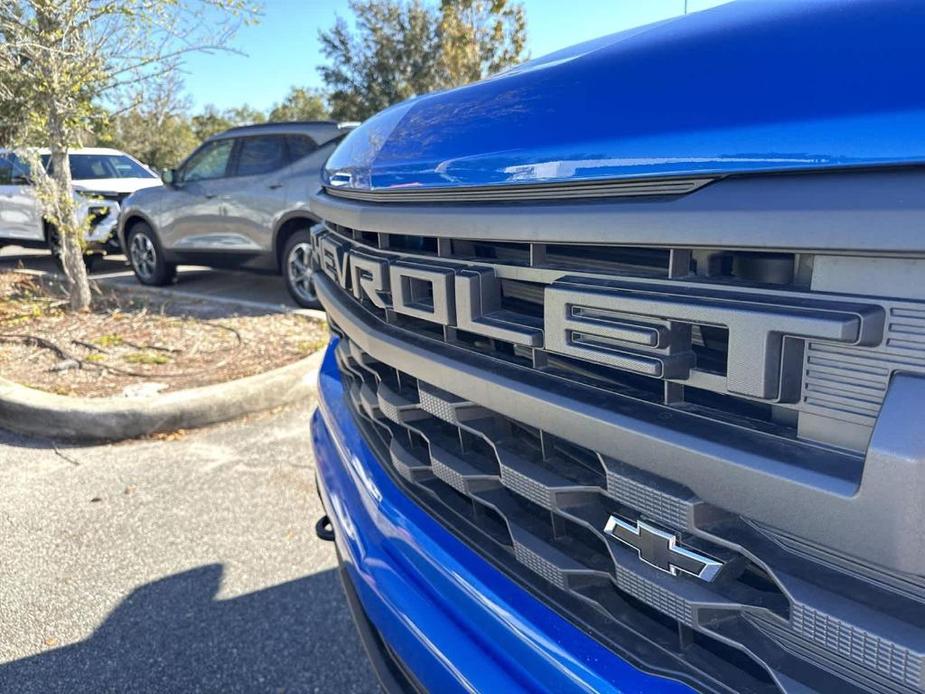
{"x": 274, "y": 186}
{"x": 208, "y": 196}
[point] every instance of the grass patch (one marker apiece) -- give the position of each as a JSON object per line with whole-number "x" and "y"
{"x": 310, "y": 346}
{"x": 146, "y": 358}
{"x": 108, "y": 340}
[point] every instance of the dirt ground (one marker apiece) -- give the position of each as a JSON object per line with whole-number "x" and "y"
{"x": 131, "y": 344}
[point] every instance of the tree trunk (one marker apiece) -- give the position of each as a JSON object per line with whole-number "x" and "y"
{"x": 72, "y": 262}
{"x": 70, "y": 230}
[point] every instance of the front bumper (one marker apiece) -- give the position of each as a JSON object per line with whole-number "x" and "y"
{"x": 101, "y": 233}
{"x": 454, "y": 621}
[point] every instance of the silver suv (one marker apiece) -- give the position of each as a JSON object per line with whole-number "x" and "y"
{"x": 239, "y": 201}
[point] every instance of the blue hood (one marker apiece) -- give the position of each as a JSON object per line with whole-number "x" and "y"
{"x": 746, "y": 87}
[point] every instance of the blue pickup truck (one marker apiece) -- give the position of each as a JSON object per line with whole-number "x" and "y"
{"x": 627, "y": 384}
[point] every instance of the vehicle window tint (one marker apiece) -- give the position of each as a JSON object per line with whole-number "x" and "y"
{"x": 12, "y": 170}
{"x": 260, "y": 155}
{"x": 209, "y": 162}
{"x": 6, "y": 171}
{"x": 300, "y": 146}
{"x": 95, "y": 166}
{"x": 83, "y": 168}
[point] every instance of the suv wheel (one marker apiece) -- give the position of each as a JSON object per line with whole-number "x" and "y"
{"x": 297, "y": 269}
{"x": 147, "y": 258}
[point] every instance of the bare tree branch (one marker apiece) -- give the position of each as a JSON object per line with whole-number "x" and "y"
{"x": 59, "y": 59}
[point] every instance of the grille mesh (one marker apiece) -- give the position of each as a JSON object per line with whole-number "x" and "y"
{"x": 551, "y": 526}
{"x": 784, "y": 612}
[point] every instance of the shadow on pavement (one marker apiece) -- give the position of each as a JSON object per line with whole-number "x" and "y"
{"x": 42, "y": 261}
{"x": 253, "y": 288}
{"x": 172, "y": 635}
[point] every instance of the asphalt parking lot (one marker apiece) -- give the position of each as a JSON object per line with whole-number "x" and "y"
{"x": 240, "y": 287}
{"x": 181, "y": 563}
{"x": 186, "y": 565}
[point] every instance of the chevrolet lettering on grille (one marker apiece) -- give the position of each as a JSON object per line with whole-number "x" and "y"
{"x": 637, "y": 325}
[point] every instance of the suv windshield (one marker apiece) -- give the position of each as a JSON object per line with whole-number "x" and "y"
{"x": 86, "y": 167}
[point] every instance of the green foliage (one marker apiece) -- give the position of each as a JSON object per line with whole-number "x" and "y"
{"x": 300, "y": 104}
{"x": 12, "y": 114}
{"x": 150, "y": 358}
{"x": 208, "y": 123}
{"x": 245, "y": 115}
{"x": 155, "y": 129}
{"x": 403, "y": 48}
{"x": 480, "y": 38}
{"x": 161, "y": 147}
{"x": 213, "y": 121}
{"x": 393, "y": 55}
{"x": 109, "y": 340}
{"x": 60, "y": 59}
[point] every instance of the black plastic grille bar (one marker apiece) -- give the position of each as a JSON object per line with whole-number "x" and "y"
{"x": 589, "y": 397}
{"x": 546, "y": 501}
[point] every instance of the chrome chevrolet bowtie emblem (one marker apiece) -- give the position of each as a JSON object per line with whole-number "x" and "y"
{"x": 660, "y": 549}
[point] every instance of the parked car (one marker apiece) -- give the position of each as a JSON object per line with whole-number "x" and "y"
{"x": 627, "y": 374}
{"x": 239, "y": 201}
{"x": 102, "y": 178}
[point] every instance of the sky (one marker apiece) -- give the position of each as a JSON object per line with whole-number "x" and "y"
{"x": 283, "y": 50}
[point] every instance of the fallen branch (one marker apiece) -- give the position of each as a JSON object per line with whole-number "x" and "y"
{"x": 89, "y": 345}
{"x": 39, "y": 342}
{"x": 158, "y": 348}
{"x": 75, "y": 463}
{"x": 86, "y": 364}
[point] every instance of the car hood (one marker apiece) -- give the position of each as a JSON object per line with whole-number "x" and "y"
{"x": 115, "y": 185}
{"x": 746, "y": 87}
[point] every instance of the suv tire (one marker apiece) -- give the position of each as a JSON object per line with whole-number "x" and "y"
{"x": 146, "y": 257}
{"x": 297, "y": 270}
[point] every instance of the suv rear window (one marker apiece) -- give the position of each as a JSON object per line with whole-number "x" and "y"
{"x": 260, "y": 155}
{"x": 300, "y": 146}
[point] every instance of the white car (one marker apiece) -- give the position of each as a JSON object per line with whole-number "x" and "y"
{"x": 102, "y": 179}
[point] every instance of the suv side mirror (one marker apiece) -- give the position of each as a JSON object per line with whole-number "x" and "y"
{"x": 169, "y": 177}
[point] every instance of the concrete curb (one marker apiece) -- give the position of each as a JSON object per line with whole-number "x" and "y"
{"x": 34, "y": 412}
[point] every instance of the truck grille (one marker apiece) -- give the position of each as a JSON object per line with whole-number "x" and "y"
{"x": 753, "y": 407}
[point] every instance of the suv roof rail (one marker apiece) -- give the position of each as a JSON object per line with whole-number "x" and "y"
{"x": 277, "y": 123}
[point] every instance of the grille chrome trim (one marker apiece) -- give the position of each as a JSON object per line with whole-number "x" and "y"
{"x": 696, "y": 564}
{"x": 539, "y": 191}
{"x": 821, "y": 212}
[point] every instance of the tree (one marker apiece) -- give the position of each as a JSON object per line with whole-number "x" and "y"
{"x": 404, "y": 48}
{"x": 480, "y": 38}
{"x": 213, "y": 121}
{"x": 208, "y": 123}
{"x": 12, "y": 113}
{"x": 155, "y": 128}
{"x": 300, "y": 104}
{"x": 61, "y": 57}
{"x": 393, "y": 56}
{"x": 245, "y": 115}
